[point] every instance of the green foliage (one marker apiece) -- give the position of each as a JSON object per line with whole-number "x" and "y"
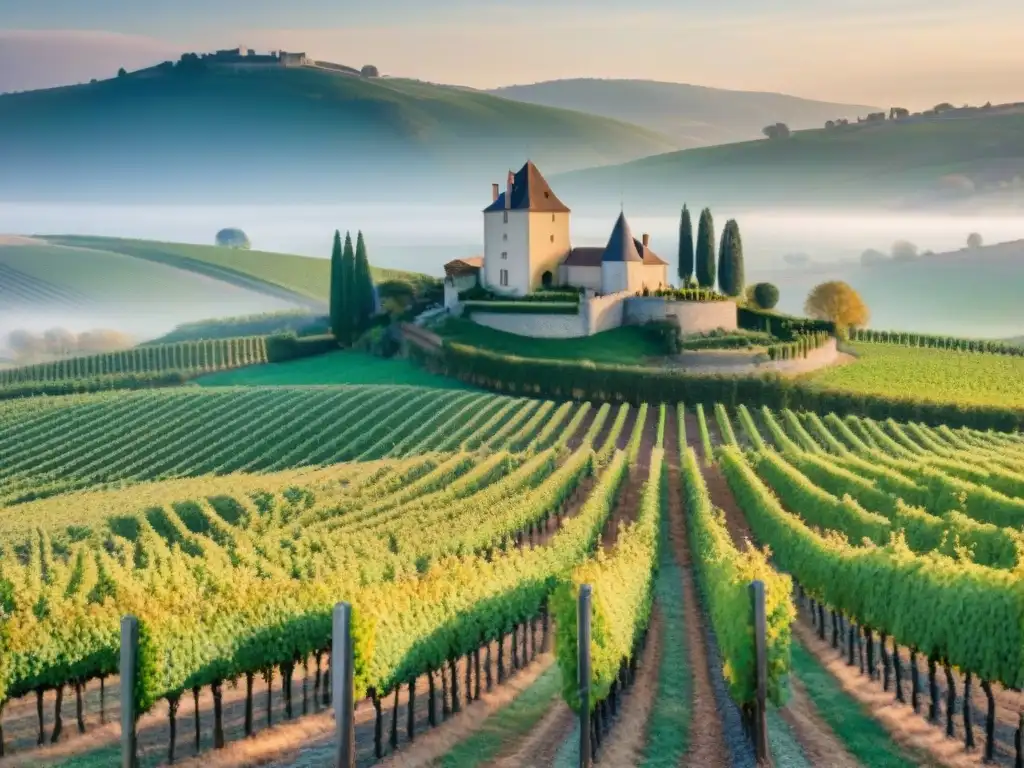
{"x": 689, "y": 294}
{"x": 705, "y": 436}
{"x": 685, "y": 264}
{"x": 783, "y": 327}
{"x": 766, "y": 295}
{"x": 365, "y": 302}
{"x": 725, "y": 574}
{"x": 299, "y": 321}
{"x": 622, "y": 582}
{"x": 283, "y": 347}
{"x": 705, "y": 250}
{"x": 517, "y": 307}
{"x": 731, "y": 276}
{"x": 890, "y": 589}
{"x": 337, "y": 290}
{"x": 564, "y": 378}
{"x": 187, "y": 358}
{"x": 927, "y": 341}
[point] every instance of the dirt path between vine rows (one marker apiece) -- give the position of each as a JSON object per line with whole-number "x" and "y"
{"x": 907, "y": 729}
{"x": 540, "y": 746}
{"x": 820, "y": 744}
{"x": 707, "y": 742}
{"x": 627, "y": 738}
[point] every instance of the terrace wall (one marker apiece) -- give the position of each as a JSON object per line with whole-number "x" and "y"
{"x": 693, "y": 316}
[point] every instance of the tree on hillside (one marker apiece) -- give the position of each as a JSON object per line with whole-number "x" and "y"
{"x": 730, "y": 260}
{"x": 705, "y": 250}
{"x": 365, "y": 300}
{"x": 898, "y": 113}
{"x": 777, "y": 131}
{"x": 872, "y": 256}
{"x": 233, "y": 238}
{"x": 685, "y": 248}
{"x": 974, "y": 240}
{"x": 904, "y": 250}
{"x": 349, "y": 295}
{"x": 837, "y": 302}
{"x": 122, "y": 72}
{"x": 337, "y": 295}
{"x": 369, "y": 70}
{"x": 766, "y": 295}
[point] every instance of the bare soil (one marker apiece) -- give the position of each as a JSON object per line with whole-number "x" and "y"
{"x": 541, "y": 745}
{"x": 576, "y": 439}
{"x": 626, "y": 740}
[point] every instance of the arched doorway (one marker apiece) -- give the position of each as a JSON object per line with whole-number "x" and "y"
{"x": 547, "y": 279}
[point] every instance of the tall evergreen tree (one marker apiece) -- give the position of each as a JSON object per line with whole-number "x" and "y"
{"x": 685, "y": 248}
{"x": 705, "y": 251}
{"x": 347, "y": 294}
{"x": 366, "y": 305}
{"x": 730, "y": 260}
{"x": 336, "y": 296}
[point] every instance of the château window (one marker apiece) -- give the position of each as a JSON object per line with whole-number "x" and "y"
{"x": 505, "y": 216}
{"x": 552, "y": 238}
{"x": 504, "y": 236}
{"x": 552, "y": 218}
{"x": 504, "y": 254}
{"x": 503, "y": 278}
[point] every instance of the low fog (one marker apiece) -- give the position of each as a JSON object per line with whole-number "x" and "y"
{"x": 793, "y": 248}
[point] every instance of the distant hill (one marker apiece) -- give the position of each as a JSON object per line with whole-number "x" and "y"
{"x": 146, "y": 288}
{"x": 691, "y": 115}
{"x": 949, "y": 160}
{"x": 969, "y": 292}
{"x": 207, "y": 133}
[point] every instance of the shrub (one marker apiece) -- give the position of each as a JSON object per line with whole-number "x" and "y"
{"x": 282, "y": 347}
{"x": 233, "y": 238}
{"x": 766, "y": 295}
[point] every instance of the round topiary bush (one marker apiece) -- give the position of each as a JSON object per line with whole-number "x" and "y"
{"x": 233, "y": 238}
{"x": 766, "y": 295}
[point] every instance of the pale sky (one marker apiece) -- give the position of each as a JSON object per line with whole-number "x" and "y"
{"x": 912, "y": 53}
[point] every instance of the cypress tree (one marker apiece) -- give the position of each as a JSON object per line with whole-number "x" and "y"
{"x": 336, "y": 295}
{"x": 685, "y": 248}
{"x": 705, "y": 252}
{"x": 365, "y": 305}
{"x": 346, "y": 293}
{"x": 730, "y": 260}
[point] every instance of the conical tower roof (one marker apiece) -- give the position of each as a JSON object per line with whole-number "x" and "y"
{"x": 621, "y": 245}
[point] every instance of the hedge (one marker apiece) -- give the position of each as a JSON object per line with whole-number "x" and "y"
{"x": 287, "y": 346}
{"x": 954, "y": 343}
{"x": 94, "y": 384}
{"x": 522, "y": 307}
{"x": 783, "y": 327}
{"x": 585, "y": 380}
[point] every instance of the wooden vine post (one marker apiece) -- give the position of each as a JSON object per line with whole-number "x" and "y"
{"x": 583, "y": 652}
{"x": 129, "y": 671}
{"x": 342, "y": 659}
{"x": 761, "y": 749}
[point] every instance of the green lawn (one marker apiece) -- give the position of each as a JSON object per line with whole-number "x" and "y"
{"x": 342, "y": 367}
{"x": 629, "y": 345}
{"x": 934, "y": 375}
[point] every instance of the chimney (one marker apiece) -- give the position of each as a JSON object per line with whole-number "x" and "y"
{"x": 508, "y": 190}
{"x": 645, "y": 238}
{"x": 494, "y": 192}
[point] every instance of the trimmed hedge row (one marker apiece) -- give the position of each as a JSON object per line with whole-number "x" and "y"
{"x": 283, "y": 347}
{"x": 585, "y": 380}
{"x": 522, "y": 307}
{"x": 95, "y": 384}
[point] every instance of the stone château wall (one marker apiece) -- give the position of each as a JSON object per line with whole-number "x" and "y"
{"x": 693, "y": 316}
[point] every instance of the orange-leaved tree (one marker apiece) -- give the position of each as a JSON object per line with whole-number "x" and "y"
{"x": 838, "y": 302}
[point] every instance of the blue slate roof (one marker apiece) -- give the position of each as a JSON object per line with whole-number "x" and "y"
{"x": 621, "y": 245}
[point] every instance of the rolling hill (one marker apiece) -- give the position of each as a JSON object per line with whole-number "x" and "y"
{"x": 950, "y": 160}
{"x": 691, "y": 115}
{"x": 972, "y": 293}
{"x": 207, "y": 133}
{"x": 146, "y": 288}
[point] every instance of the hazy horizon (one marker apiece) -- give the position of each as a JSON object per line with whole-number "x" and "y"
{"x": 907, "y": 52}
{"x": 424, "y": 237}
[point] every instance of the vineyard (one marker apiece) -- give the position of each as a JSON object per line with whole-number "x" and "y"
{"x": 461, "y": 526}
{"x": 187, "y": 357}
